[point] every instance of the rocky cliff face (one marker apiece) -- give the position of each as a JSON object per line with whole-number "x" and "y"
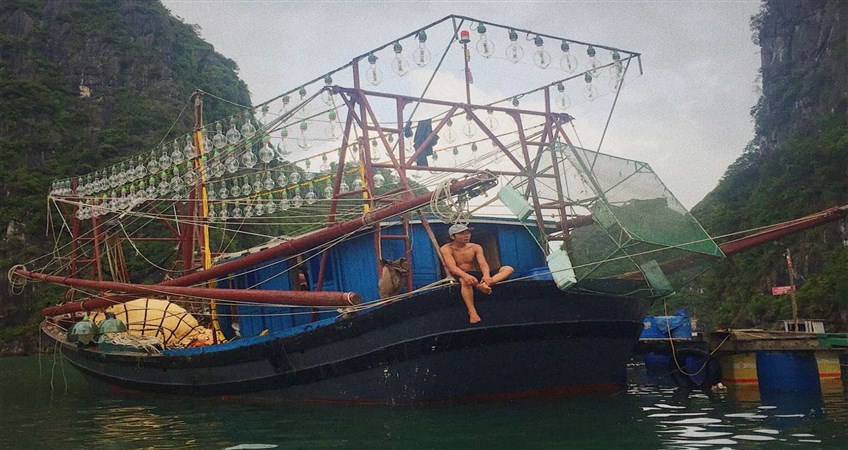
{"x": 804, "y": 48}
{"x": 84, "y": 83}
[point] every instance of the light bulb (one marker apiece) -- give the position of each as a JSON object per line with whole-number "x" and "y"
{"x": 231, "y": 164}
{"x": 468, "y": 129}
{"x": 327, "y": 92}
{"x": 567, "y": 61}
{"x": 152, "y": 163}
{"x": 303, "y": 106}
{"x": 450, "y": 135}
{"x": 375, "y": 151}
{"x": 541, "y": 57}
{"x": 282, "y": 179}
{"x": 284, "y": 201}
{"x": 394, "y": 178}
{"x": 297, "y": 201}
{"x": 233, "y": 135}
{"x": 237, "y": 212}
{"x": 212, "y": 192}
{"x": 223, "y": 193}
{"x": 283, "y": 150}
{"x": 325, "y": 164}
{"x": 373, "y": 74}
{"x": 590, "y": 91}
{"x": 379, "y": 180}
{"x": 190, "y": 176}
{"x": 268, "y": 184}
{"x": 270, "y": 205}
{"x": 563, "y": 101}
{"x": 303, "y": 140}
{"x": 263, "y": 118}
{"x": 616, "y": 71}
{"x": 294, "y": 177}
{"x": 235, "y": 191}
{"x": 485, "y": 47}
{"x": 257, "y": 185}
{"x": 266, "y": 153}
{"x": 164, "y": 160}
{"x": 333, "y": 126}
{"x": 249, "y": 158}
{"x": 514, "y": 52}
{"x": 259, "y": 209}
{"x": 219, "y": 141}
{"x": 421, "y": 55}
{"x": 594, "y": 63}
{"x": 344, "y": 187}
{"x": 248, "y": 130}
{"x": 328, "y": 192}
{"x": 311, "y": 197}
{"x": 223, "y": 213}
{"x": 246, "y": 187}
{"x": 357, "y": 184}
{"x": 400, "y": 66}
{"x": 177, "y": 154}
{"x": 491, "y": 120}
{"x": 188, "y": 149}
{"x": 285, "y": 100}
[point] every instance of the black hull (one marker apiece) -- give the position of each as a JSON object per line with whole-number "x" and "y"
{"x": 534, "y": 340}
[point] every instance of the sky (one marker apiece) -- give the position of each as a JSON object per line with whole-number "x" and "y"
{"x": 687, "y": 114}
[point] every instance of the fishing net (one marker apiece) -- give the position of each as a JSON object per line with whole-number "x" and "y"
{"x": 640, "y": 240}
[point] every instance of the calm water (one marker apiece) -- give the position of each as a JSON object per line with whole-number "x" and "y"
{"x": 650, "y": 414}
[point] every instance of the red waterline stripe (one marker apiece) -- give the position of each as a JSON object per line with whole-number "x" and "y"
{"x": 830, "y": 375}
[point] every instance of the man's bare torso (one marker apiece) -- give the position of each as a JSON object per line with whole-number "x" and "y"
{"x": 465, "y": 256}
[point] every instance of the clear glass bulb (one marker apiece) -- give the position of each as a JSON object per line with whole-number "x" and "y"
{"x": 373, "y": 74}
{"x": 189, "y": 175}
{"x": 327, "y": 92}
{"x": 284, "y": 201}
{"x": 224, "y": 213}
{"x": 235, "y": 191}
{"x": 485, "y": 47}
{"x": 541, "y": 57}
{"x": 563, "y": 101}
{"x": 237, "y": 212}
{"x": 616, "y": 71}
{"x": 270, "y": 205}
{"x": 589, "y": 90}
{"x": 212, "y": 192}
{"x": 248, "y": 211}
{"x": 379, "y": 180}
{"x": 177, "y": 154}
{"x": 219, "y": 141}
{"x": 188, "y": 149}
{"x": 246, "y": 187}
{"x": 212, "y": 216}
{"x": 268, "y": 184}
{"x": 394, "y": 178}
{"x": 491, "y": 120}
{"x": 294, "y": 177}
{"x": 257, "y": 185}
{"x": 469, "y": 128}
{"x": 303, "y": 139}
{"x": 259, "y": 209}
{"x": 357, "y": 184}
{"x": 450, "y": 134}
{"x": 297, "y": 201}
{"x": 328, "y": 192}
{"x": 400, "y": 66}
{"x": 514, "y": 52}
{"x": 594, "y": 64}
{"x": 248, "y": 159}
{"x": 282, "y": 179}
{"x": 376, "y": 154}
{"x": 567, "y": 61}
{"x": 266, "y": 153}
{"x": 311, "y": 197}
{"x": 247, "y": 129}
{"x": 233, "y": 135}
{"x": 421, "y": 56}
{"x": 344, "y": 187}
{"x": 334, "y": 128}
{"x": 325, "y": 165}
{"x": 223, "y": 193}
{"x": 164, "y": 160}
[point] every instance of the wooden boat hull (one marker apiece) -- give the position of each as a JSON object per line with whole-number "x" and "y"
{"x": 534, "y": 340}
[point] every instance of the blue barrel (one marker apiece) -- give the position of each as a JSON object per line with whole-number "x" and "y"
{"x": 788, "y": 371}
{"x": 657, "y": 362}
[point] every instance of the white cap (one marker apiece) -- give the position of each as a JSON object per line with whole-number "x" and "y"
{"x": 458, "y": 228}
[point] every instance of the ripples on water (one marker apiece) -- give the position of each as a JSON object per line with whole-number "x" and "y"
{"x": 650, "y": 414}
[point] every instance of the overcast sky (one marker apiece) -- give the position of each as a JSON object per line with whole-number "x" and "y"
{"x": 687, "y": 115}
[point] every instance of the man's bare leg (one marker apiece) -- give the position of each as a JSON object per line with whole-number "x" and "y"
{"x": 502, "y": 274}
{"x": 468, "y": 297}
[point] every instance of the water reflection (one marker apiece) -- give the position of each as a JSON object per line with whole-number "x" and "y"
{"x": 650, "y": 414}
{"x": 743, "y": 418}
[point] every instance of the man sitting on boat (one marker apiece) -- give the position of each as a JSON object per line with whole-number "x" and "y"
{"x": 467, "y": 262}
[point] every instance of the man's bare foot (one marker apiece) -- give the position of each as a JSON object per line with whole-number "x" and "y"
{"x": 474, "y": 318}
{"x": 484, "y": 288}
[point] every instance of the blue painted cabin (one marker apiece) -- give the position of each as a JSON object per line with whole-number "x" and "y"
{"x": 352, "y": 266}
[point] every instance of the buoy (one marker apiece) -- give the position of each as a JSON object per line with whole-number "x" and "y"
{"x": 83, "y": 332}
{"x": 111, "y": 324}
{"x": 695, "y": 368}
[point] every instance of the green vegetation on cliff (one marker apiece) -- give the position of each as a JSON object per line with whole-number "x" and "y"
{"x": 84, "y": 84}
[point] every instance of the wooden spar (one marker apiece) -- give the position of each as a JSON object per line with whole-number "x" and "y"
{"x": 294, "y": 298}
{"x": 778, "y": 231}
{"x": 295, "y": 246}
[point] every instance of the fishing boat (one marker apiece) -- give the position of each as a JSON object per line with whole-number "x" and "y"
{"x": 293, "y": 248}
